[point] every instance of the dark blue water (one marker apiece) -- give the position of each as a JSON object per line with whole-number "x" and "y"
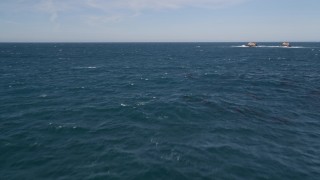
{"x": 159, "y": 111}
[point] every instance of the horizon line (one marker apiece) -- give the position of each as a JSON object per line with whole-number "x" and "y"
{"x": 156, "y": 41}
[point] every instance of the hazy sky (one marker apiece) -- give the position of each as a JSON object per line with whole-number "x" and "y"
{"x": 159, "y": 20}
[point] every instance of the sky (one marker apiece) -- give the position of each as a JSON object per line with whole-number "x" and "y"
{"x": 159, "y": 20}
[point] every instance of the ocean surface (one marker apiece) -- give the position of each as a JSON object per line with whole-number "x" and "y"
{"x": 159, "y": 111}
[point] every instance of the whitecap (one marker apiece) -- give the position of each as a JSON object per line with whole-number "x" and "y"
{"x": 88, "y": 67}
{"x": 123, "y": 105}
{"x": 141, "y": 103}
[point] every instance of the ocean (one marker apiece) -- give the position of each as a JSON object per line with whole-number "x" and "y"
{"x": 159, "y": 111}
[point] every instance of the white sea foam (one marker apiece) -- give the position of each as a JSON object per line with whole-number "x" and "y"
{"x": 265, "y": 46}
{"x": 296, "y": 47}
{"x": 87, "y": 67}
{"x": 141, "y": 103}
{"x": 242, "y": 46}
{"x": 123, "y": 105}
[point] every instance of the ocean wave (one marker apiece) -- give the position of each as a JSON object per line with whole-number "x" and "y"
{"x": 225, "y": 113}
